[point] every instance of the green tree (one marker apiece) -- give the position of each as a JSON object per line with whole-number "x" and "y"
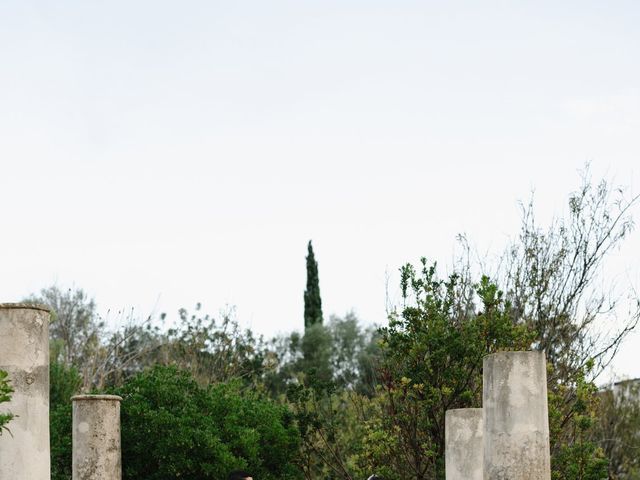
{"x": 282, "y": 355}
{"x": 432, "y": 362}
{"x": 315, "y": 363}
{"x": 5, "y": 396}
{"x": 618, "y": 432}
{"x": 208, "y": 431}
{"x": 552, "y": 301}
{"x": 354, "y": 353}
{"x": 332, "y": 428}
{"x": 576, "y": 455}
{"x": 60, "y": 427}
{"x": 64, "y": 381}
{"x": 312, "y": 300}
{"x": 172, "y": 427}
{"x": 342, "y": 351}
{"x": 329, "y": 375}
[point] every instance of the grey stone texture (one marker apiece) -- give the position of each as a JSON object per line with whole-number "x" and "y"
{"x": 24, "y": 354}
{"x": 516, "y": 419}
{"x": 96, "y": 437}
{"x": 463, "y": 444}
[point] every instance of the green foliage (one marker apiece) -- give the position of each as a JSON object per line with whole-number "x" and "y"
{"x": 341, "y": 351}
{"x": 316, "y": 353}
{"x": 575, "y": 455}
{"x": 619, "y": 429}
{"x": 331, "y": 428}
{"x": 355, "y": 352}
{"x": 312, "y": 300}
{"x": 432, "y": 362}
{"x": 582, "y": 460}
{"x": 174, "y": 428}
{"x": 64, "y": 383}
{"x": 330, "y": 376}
{"x": 60, "y": 427}
{"x": 5, "y": 396}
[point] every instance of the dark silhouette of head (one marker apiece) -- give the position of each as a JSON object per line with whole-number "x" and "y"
{"x": 240, "y": 475}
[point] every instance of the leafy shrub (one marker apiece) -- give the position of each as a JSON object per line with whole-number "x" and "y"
{"x": 64, "y": 383}
{"x": 5, "y": 396}
{"x": 174, "y": 428}
{"x": 60, "y": 425}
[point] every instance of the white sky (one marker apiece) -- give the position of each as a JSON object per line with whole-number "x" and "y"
{"x": 161, "y": 153}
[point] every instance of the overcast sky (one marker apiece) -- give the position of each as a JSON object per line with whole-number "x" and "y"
{"x": 159, "y": 154}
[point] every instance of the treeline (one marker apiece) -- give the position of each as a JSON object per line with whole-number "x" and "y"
{"x": 342, "y": 400}
{"x": 183, "y": 371}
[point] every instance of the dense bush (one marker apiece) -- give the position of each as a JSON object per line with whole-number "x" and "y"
{"x": 60, "y": 425}
{"x": 174, "y": 428}
{"x": 433, "y": 350}
{"x": 64, "y": 382}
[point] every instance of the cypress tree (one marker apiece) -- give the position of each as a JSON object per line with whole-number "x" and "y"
{"x": 312, "y": 300}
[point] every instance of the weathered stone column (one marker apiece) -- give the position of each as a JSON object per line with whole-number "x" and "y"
{"x": 24, "y": 355}
{"x": 463, "y": 444}
{"x": 516, "y": 419}
{"x": 96, "y": 437}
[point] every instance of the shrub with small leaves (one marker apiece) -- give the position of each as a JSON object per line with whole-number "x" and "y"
{"x": 5, "y": 396}
{"x": 174, "y": 428}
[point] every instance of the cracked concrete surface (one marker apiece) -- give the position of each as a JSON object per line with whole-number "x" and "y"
{"x": 24, "y": 354}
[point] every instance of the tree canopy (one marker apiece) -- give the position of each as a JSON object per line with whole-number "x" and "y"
{"x": 312, "y": 300}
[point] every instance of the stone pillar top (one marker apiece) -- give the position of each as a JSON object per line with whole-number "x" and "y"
{"x": 96, "y": 438}
{"x": 516, "y": 418}
{"x": 514, "y": 353}
{"x": 114, "y": 398}
{"x": 31, "y": 306}
{"x": 462, "y": 410}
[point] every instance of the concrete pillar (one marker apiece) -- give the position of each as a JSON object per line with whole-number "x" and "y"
{"x": 96, "y": 437}
{"x": 463, "y": 444}
{"x": 24, "y": 354}
{"x": 516, "y": 419}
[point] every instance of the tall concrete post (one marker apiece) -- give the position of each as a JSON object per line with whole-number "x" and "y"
{"x": 96, "y": 437}
{"x": 463, "y": 444}
{"x": 24, "y": 355}
{"x": 516, "y": 419}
